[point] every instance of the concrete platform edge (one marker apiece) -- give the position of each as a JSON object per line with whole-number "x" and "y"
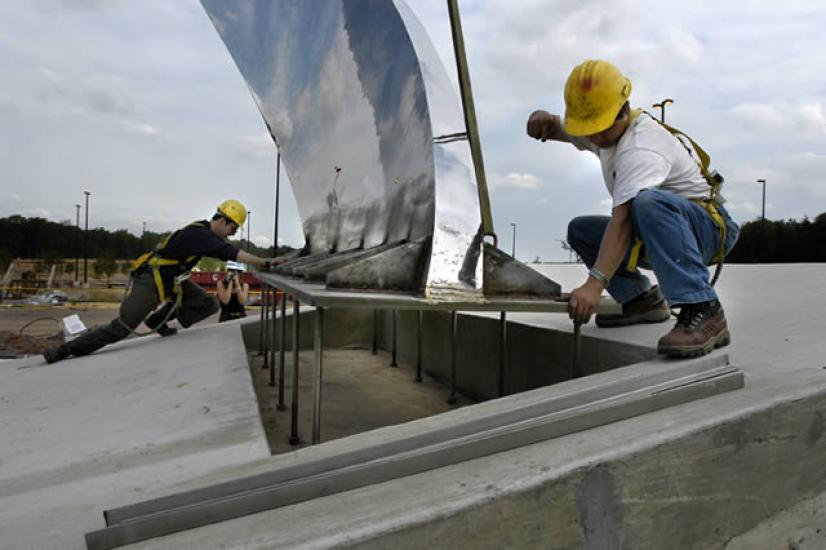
{"x": 696, "y": 491}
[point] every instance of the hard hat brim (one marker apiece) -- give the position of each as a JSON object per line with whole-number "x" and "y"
{"x": 583, "y": 128}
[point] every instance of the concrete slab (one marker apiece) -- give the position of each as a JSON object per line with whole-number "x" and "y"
{"x": 696, "y": 475}
{"x": 692, "y": 476}
{"x": 135, "y": 419}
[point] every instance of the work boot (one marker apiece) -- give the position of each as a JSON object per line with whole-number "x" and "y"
{"x": 648, "y": 307}
{"x": 156, "y": 321}
{"x": 700, "y": 328}
{"x": 56, "y": 353}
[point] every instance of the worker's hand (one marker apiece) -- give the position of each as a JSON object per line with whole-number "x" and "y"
{"x": 584, "y": 301}
{"x": 543, "y": 126}
{"x": 278, "y": 260}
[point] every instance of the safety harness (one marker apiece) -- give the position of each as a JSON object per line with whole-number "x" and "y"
{"x": 710, "y": 205}
{"x": 154, "y": 261}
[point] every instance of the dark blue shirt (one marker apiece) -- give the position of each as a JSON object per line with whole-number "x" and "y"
{"x": 197, "y": 240}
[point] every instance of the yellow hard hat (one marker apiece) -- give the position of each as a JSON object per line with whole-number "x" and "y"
{"x": 594, "y": 94}
{"x": 233, "y": 210}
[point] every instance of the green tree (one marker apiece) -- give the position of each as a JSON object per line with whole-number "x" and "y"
{"x": 105, "y": 267}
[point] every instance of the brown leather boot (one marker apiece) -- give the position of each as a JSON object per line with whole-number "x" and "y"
{"x": 700, "y": 328}
{"x": 648, "y": 307}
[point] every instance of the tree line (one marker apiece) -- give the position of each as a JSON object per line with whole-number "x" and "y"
{"x": 761, "y": 241}
{"x": 41, "y": 239}
{"x": 781, "y": 241}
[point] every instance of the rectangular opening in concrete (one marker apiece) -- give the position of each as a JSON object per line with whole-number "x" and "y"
{"x": 363, "y": 390}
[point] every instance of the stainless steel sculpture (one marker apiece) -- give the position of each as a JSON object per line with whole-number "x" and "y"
{"x": 373, "y": 138}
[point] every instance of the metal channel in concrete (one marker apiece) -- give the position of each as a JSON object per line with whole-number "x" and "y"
{"x": 524, "y": 424}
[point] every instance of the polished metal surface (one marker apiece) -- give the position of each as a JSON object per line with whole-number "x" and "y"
{"x": 357, "y": 100}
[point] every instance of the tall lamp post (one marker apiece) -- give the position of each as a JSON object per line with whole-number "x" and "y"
{"x": 764, "y": 198}
{"x": 86, "y": 242}
{"x": 249, "y": 224}
{"x": 77, "y": 244}
{"x": 661, "y": 105}
{"x": 513, "y": 243}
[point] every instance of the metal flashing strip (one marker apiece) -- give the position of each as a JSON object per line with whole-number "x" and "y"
{"x": 531, "y": 419}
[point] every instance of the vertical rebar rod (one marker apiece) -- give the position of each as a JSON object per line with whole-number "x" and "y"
{"x": 274, "y": 338}
{"x": 282, "y": 366}
{"x": 294, "y": 439}
{"x": 453, "y": 329}
{"x": 503, "y": 351}
{"x": 393, "y": 362}
{"x": 265, "y": 324}
{"x": 318, "y": 365}
{"x": 375, "y": 331}
{"x": 419, "y": 315}
{"x": 576, "y": 367}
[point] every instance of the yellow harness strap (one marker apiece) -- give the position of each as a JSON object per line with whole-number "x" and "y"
{"x": 709, "y": 205}
{"x": 155, "y": 262}
{"x": 634, "y": 256}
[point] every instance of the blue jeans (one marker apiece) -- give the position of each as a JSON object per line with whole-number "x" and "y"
{"x": 680, "y": 239}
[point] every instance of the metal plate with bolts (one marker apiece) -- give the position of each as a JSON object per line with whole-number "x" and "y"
{"x": 526, "y": 420}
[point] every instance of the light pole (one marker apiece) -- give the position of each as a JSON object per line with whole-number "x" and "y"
{"x": 77, "y": 244}
{"x": 661, "y": 105}
{"x": 513, "y": 243}
{"x": 249, "y": 224}
{"x": 86, "y": 243}
{"x": 764, "y": 198}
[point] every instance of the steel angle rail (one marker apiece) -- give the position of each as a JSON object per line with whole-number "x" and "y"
{"x": 315, "y": 294}
{"x": 174, "y": 517}
{"x": 487, "y": 416}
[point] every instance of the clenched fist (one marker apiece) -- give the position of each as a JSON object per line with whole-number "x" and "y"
{"x": 543, "y": 126}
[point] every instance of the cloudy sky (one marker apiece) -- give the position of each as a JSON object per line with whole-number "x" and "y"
{"x": 140, "y": 104}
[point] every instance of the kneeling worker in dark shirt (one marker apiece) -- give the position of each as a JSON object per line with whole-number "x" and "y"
{"x": 162, "y": 276}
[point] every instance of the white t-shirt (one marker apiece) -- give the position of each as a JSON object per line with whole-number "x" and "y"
{"x": 646, "y": 156}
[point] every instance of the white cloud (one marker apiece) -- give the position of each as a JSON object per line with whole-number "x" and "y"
{"x": 761, "y": 117}
{"x": 813, "y": 118}
{"x": 110, "y": 94}
{"x": 807, "y": 119}
{"x": 685, "y": 46}
{"x": 514, "y": 180}
{"x": 141, "y": 128}
{"x": 257, "y": 145}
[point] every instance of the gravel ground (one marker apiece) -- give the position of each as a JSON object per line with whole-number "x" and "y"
{"x": 29, "y": 329}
